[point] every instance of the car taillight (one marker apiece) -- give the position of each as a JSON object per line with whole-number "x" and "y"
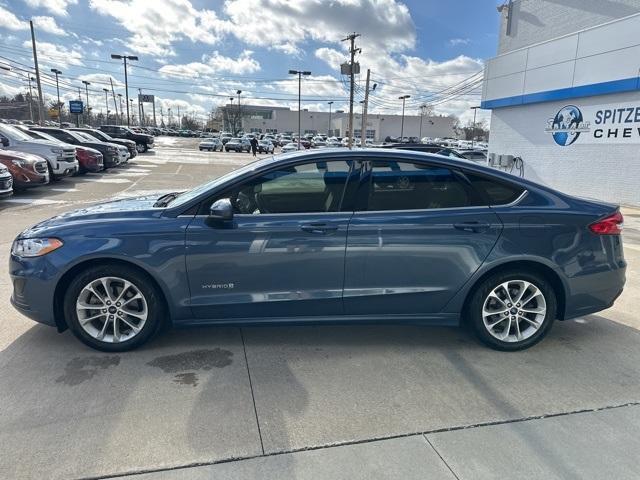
{"x": 611, "y": 225}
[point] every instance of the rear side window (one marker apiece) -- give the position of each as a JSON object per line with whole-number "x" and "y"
{"x": 414, "y": 186}
{"x": 495, "y": 191}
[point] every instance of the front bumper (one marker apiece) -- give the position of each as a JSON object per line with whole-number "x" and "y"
{"x": 64, "y": 169}
{"x": 33, "y": 281}
{"x": 111, "y": 160}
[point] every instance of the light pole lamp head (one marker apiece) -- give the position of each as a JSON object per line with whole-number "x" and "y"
{"x": 56, "y": 71}
{"x": 239, "y": 92}
{"x": 306, "y": 73}
{"x": 86, "y": 83}
{"x": 293, "y": 72}
{"x": 404, "y": 97}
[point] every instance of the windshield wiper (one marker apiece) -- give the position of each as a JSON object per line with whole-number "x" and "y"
{"x": 166, "y": 199}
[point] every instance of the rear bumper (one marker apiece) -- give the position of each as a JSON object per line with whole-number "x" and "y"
{"x": 594, "y": 292}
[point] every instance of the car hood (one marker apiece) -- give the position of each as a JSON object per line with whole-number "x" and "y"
{"x": 127, "y": 209}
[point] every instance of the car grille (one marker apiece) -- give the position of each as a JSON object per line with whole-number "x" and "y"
{"x": 6, "y": 183}
{"x": 69, "y": 155}
{"x": 40, "y": 167}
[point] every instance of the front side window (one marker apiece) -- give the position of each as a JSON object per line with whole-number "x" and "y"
{"x": 306, "y": 188}
{"x": 396, "y": 185}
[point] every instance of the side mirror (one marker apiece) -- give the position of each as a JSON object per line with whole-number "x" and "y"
{"x": 5, "y": 142}
{"x": 221, "y": 210}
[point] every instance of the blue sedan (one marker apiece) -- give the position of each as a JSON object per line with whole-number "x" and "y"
{"x": 364, "y": 236}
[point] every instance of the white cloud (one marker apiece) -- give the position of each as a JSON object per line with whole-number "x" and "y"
{"x": 285, "y": 24}
{"x": 57, "y": 7}
{"x": 54, "y": 55}
{"x": 213, "y": 64}
{"x": 156, "y": 25}
{"x": 454, "y": 42}
{"x": 49, "y": 25}
{"x": 10, "y": 21}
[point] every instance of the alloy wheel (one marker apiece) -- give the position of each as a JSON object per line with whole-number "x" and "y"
{"x": 514, "y": 311}
{"x": 111, "y": 309}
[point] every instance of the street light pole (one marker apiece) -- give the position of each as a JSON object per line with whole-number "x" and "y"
{"x": 300, "y": 73}
{"x": 329, "y": 129}
{"x": 403, "y": 98}
{"x": 232, "y": 126}
{"x": 106, "y": 101}
{"x": 473, "y": 134}
{"x": 86, "y": 89}
{"x": 239, "y": 110}
{"x": 126, "y": 80}
{"x": 422, "y": 108}
{"x": 58, "y": 72}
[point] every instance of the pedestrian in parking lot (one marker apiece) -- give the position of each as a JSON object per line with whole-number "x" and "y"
{"x": 254, "y": 145}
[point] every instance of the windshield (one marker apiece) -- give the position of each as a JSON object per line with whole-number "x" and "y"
{"x": 191, "y": 194}
{"x": 85, "y": 136}
{"x": 43, "y": 136}
{"x": 14, "y": 133}
{"x": 99, "y": 135}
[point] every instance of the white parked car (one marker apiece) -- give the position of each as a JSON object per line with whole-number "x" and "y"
{"x": 210, "y": 144}
{"x": 291, "y": 147}
{"x": 265, "y": 146}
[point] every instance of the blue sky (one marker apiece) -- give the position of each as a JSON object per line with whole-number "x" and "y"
{"x": 195, "y": 53}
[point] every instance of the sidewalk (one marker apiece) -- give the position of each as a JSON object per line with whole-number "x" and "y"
{"x": 589, "y": 445}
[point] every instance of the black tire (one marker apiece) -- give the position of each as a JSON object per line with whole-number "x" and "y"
{"x": 52, "y": 176}
{"x": 474, "y": 316}
{"x": 142, "y": 147}
{"x": 153, "y": 297}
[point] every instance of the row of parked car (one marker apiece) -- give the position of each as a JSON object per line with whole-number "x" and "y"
{"x": 33, "y": 155}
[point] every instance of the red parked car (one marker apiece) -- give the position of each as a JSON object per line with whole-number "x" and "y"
{"x": 90, "y": 159}
{"x": 28, "y": 170}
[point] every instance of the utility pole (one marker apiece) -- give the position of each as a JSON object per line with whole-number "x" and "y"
{"x": 179, "y": 119}
{"x": 352, "y": 50}
{"x": 121, "y": 112}
{"x": 126, "y": 81}
{"x": 30, "y": 97}
{"x": 232, "y": 126}
{"x": 365, "y": 106}
{"x": 140, "y": 108}
{"x": 58, "y": 72}
{"x": 155, "y": 124}
{"x": 473, "y": 135}
{"x": 35, "y": 62}
{"x": 329, "y": 128}
{"x": 300, "y": 73}
{"x": 403, "y": 98}
{"x": 86, "y": 87}
{"x": 113, "y": 94}
{"x": 106, "y": 102}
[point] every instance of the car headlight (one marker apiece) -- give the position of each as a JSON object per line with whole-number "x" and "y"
{"x": 112, "y": 149}
{"x": 34, "y": 247}
{"x": 57, "y": 150}
{"x": 18, "y": 163}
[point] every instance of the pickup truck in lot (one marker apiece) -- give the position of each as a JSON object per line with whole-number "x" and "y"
{"x": 61, "y": 159}
{"x": 143, "y": 141}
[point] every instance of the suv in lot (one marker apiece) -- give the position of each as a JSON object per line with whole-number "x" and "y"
{"x": 61, "y": 159}
{"x": 6, "y": 182}
{"x": 27, "y": 170}
{"x": 143, "y": 141}
{"x": 238, "y": 145}
{"x": 110, "y": 152}
{"x": 104, "y": 137}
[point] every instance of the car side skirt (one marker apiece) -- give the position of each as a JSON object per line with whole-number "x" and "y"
{"x": 437, "y": 319}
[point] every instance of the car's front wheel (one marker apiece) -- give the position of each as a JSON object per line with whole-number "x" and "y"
{"x": 512, "y": 311}
{"x": 113, "y": 308}
{"x": 141, "y": 147}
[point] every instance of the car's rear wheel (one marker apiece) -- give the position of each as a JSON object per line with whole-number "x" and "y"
{"x": 512, "y": 310}
{"x": 113, "y": 308}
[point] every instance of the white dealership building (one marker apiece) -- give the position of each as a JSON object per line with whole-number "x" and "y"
{"x": 269, "y": 119}
{"x": 564, "y": 91}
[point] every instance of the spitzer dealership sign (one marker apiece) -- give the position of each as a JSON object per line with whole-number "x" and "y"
{"x": 608, "y": 124}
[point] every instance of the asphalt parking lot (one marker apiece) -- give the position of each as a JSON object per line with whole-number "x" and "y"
{"x": 309, "y": 402}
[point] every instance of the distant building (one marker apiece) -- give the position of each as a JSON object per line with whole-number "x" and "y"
{"x": 564, "y": 92}
{"x": 267, "y": 119}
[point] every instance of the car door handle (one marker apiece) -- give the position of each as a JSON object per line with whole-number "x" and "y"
{"x": 475, "y": 227}
{"x": 318, "y": 228}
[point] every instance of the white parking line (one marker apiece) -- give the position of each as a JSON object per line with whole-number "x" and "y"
{"x": 107, "y": 180}
{"x": 63, "y": 189}
{"x": 33, "y": 201}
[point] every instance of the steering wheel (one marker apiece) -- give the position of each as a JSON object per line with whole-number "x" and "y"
{"x": 245, "y": 204}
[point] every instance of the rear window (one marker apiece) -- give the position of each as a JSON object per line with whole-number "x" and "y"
{"x": 496, "y": 191}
